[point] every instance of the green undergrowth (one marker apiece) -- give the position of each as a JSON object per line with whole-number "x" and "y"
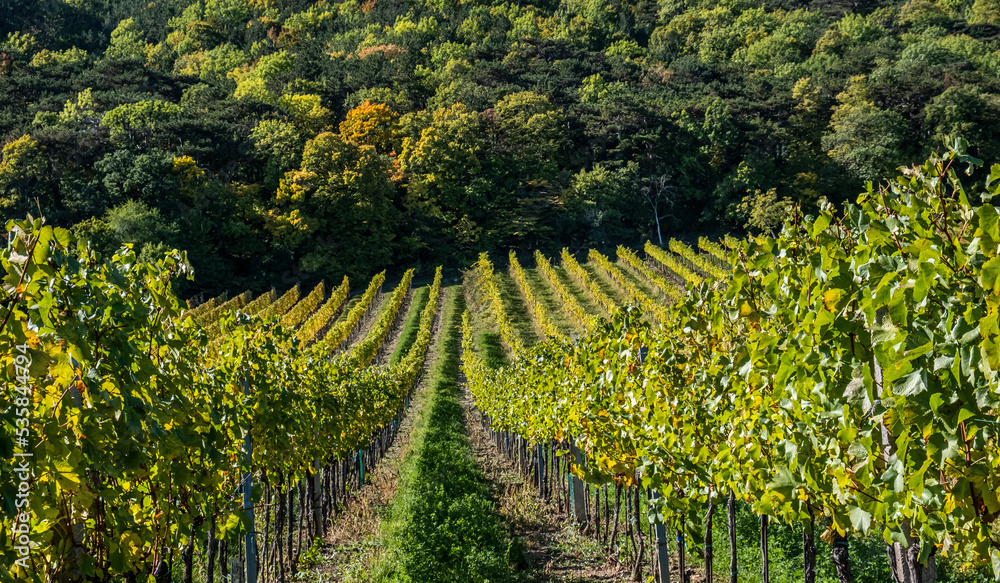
{"x": 491, "y": 349}
{"x": 412, "y": 324}
{"x": 547, "y": 296}
{"x": 602, "y": 282}
{"x": 518, "y": 312}
{"x": 443, "y": 525}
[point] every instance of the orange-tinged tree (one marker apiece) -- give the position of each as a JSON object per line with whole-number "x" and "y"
{"x": 371, "y": 124}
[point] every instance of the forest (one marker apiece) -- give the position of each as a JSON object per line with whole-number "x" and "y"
{"x": 288, "y": 141}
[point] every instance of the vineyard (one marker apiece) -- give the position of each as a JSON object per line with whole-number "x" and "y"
{"x": 838, "y": 379}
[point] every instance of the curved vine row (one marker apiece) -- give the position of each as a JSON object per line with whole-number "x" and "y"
{"x": 657, "y": 311}
{"x": 341, "y": 330}
{"x": 138, "y": 423}
{"x": 304, "y": 307}
{"x": 316, "y": 322}
{"x": 713, "y": 249}
{"x": 487, "y": 284}
{"x": 633, "y": 261}
{"x": 672, "y": 263}
{"x": 281, "y": 305}
{"x": 537, "y": 310}
{"x": 698, "y": 260}
{"x": 362, "y": 353}
{"x": 580, "y": 274}
{"x": 567, "y": 298}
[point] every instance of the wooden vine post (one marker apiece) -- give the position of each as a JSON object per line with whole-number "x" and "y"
{"x": 576, "y": 490}
{"x": 662, "y": 550}
{"x": 251, "y": 542}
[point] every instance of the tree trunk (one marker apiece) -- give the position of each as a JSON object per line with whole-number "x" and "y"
{"x": 210, "y": 560}
{"x": 764, "y": 559}
{"x": 733, "y": 576}
{"x": 709, "y": 554}
{"x": 842, "y": 559}
{"x": 162, "y": 572}
{"x": 681, "y": 559}
{"x": 188, "y": 557}
{"x": 618, "y": 506}
{"x": 224, "y": 559}
{"x": 637, "y": 569}
{"x": 809, "y": 551}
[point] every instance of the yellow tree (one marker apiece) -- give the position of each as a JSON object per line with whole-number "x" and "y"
{"x": 21, "y": 166}
{"x": 371, "y": 124}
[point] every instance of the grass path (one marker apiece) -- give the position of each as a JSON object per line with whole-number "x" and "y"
{"x": 520, "y": 318}
{"x": 355, "y": 540}
{"x": 441, "y": 524}
{"x": 400, "y": 342}
{"x": 554, "y": 551}
{"x": 545, "y": 294}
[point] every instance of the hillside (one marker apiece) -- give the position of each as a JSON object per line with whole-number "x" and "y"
{"x": 283, "y": 141}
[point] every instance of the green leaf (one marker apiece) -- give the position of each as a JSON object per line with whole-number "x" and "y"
{"x": 989, "y": 219}
{"x": 822, "y": 222}
{"x": 911, "y": 384}
{"x": 989, "y": 277}
{"x": 995, "y": 562}
{"x": 860, "y": 519}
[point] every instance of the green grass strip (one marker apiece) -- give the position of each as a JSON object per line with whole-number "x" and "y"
{"x": 412, "y": 324}
{"x": 445, "y": 527}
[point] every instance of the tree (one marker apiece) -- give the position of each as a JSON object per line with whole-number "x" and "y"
{"x": 22, "y": 165}
{"x": 135, "y": 122}
{"x": 127, "y": 41}
{"x": 280, "y": 144}
{"x": 440, "y": 166}
{"x": 963, "y": 111}
{"x": 604, "y": 200}
{"x": 371, "y": 124}
{"x": 335, "y": 213}
{"x": 865, "y": 140}
{"x": 659, "y": 195}
{"x": 532, "y": 131}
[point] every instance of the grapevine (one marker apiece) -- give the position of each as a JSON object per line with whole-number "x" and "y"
{"x": 565, "y": 295}
{"x": 364, "y": 351}
{"x": 148, "y": 468}
{"x": 488, "y": 286}
{"x": 696, "y": 259}
{"x": 648, "y": 304}
{"x": 301, "y": 310}
{"x": 824, "y": 381}
{"x": 672, "y": 263}
{"x": 339, "y": 332}
{"x": 715, "y": 250}
{"x": 312, "y": 327}
{"x": 633, "y": 261}
{"x": 262, "y": 301}
{"x": 576, "y": 270}
{"x": 280, "y": 306}
{"x": 537, "y": 310}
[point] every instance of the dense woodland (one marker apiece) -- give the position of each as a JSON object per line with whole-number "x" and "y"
{"x": 284, "y": 140}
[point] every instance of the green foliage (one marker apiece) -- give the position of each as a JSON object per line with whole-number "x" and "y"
{"x": 451, "y": 530}
{"x": 845, "y": 373}
{"x": 136, "y": 121}
{"x": 494, "y": 126}
{"x": 127, "y": 42}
